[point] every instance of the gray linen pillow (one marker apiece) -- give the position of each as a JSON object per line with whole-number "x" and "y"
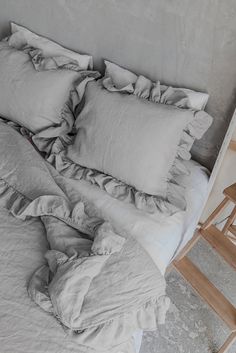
{"x": 120, "y": 79}
{"x": 40, "y": 100}
{"x": 132, "y": 139}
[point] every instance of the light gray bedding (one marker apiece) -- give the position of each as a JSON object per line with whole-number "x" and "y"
{"x": 100, "y": 285}
{"x": 57, "y": 81}
{"x": 23, "y": 326}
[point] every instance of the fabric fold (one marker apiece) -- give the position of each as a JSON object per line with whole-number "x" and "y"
{"x": 117, "y": 188}
{"x": 101, "y": 288}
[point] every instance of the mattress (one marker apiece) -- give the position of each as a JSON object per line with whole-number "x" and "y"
{"x": 24, "y": 327}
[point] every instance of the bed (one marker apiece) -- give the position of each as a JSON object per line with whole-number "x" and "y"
{"x": 23, "y": 326}
{"x": 27, "y": 216}
{"x": 162, "y": 236}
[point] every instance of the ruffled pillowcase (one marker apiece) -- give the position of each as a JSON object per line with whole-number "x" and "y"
{"x": 40, "y": 93}
{"x": 121, "y": 80}
{"x": 132, "y": 148}
{"x": 118, "y": 79}
{"x": 22, "y": 36}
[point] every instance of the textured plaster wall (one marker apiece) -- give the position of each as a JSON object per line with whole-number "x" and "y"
{"x": 181, "y": 42}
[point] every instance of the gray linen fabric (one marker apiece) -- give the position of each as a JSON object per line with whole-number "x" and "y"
{"x": 102, "y": 285}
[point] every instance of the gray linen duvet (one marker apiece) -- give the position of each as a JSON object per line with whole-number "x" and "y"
{"x": 97, "y": 281}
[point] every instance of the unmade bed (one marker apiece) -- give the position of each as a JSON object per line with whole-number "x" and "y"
{"x": 27, "y": 328}
{"x": 103, "y": 177}
{"x": 163, "y": 236}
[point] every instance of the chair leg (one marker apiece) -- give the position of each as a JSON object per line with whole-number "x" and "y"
{"x": 229, "y": 221}
{"x": 228, "y": 343}
{"x": 215, "y": 213}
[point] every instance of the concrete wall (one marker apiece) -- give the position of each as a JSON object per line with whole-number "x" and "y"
{"x": 182, "y": 42}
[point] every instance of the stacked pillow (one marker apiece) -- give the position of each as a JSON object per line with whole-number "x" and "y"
{"x": 40, "y": 92}
{"x": 21, "y": 37}
{"x": 123, "y": 133}
{"x": 125, "y": 142}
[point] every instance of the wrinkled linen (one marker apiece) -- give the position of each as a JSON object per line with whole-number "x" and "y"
{"x": 44, "y": 140}
{"x": 46, "y": 93}
{"x": 99, "y": 281}
{"x": 116, "y": 188}
{"x": 57, "y": 156}
{"x": 155, "y": 140}
{"x": 23, "y": 327}
{"x": 21, "y": 36}
{"x": 118, "y": 79}
{"x": 131, "y": 139}
{"x": 157, "y": 93}
{"x": 37, "y": 331}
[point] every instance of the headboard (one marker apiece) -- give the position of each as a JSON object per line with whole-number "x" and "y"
{"x": 180, "y": 42}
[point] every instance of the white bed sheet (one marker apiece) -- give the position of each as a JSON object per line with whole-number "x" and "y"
{"x": 170, "y": 245}
{"x": 179, "y": 228}
{"x": 162, "y": 236}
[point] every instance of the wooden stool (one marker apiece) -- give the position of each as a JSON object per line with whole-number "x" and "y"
{"x": 221, "y": 243}
{"x": 230, "y": 196}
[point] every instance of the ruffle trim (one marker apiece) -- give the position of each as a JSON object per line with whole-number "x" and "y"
{"x": 75, "y": 216}
{"x": 157, "y": 93}
{"x": 118, "y": 78}
{"x": 195, "y": 129}
{"x": 151, "y": 314}
{"x": 153, "y": 91}
{"x": 55, "y": 154}
{"x": 174, "y": 201}
{"x": 45, "y": 138}
{"x": 147, "y": 317}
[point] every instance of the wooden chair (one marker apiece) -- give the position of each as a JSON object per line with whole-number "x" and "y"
{"x": 221, "y": 243}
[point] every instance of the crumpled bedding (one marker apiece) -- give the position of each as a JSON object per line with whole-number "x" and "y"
{"x": 98, "y": 281}
{"x": 57, "y": 81}
{"x": 23, "y": 327}
{"x": 55, "y": 152}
